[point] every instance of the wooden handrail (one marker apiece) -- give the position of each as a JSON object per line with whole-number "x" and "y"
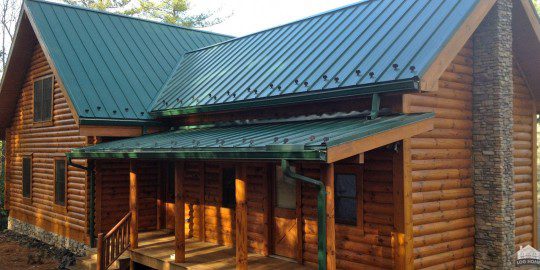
{"x": 111, "y": 245}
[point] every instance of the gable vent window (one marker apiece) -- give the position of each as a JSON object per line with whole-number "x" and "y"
{"x": 60, "y": 175}
{"x": 27, "y": 177}
{"x": 43, "y": 96}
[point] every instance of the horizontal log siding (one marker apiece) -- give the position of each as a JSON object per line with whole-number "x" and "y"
{"x": 45, "y": 143}
{"x": 192, "y": 190}
{"x": 113, "y": 198}
{"x": 356, "y": 249}
{"x": 524, "y": 112}
{"x": 257, "y": 201}
{"x": 219, "y": 221}
{"x": 441, "y": 162}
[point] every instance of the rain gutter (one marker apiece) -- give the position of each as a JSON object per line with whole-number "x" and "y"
{"x": 345, "y": 92}
{"x": 119, "y": 122}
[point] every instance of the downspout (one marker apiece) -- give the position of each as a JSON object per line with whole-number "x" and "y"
{"x": 321, "y": 210}
{"x": 375, "y": 106}
{"x": 90, "y": 171}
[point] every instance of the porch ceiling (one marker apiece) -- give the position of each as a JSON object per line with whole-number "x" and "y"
{"x": 325, "y": 139}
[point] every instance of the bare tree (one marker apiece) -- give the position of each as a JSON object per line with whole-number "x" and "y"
{"x": 9, "y": 11}
{"x": 177, "y": 12}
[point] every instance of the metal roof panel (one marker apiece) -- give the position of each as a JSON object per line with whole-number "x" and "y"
{"x": 373, "y": 41}
{"x": 301, "y": 138}
{"x": 112, "y": 66}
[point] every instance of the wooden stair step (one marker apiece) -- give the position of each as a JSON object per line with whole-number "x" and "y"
{"x": 89, "y": 263}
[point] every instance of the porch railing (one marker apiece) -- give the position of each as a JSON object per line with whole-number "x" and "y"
{"x": 111, "y": 245}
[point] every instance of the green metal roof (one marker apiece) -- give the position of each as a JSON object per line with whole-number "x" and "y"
{"x": 112, "y": 66}
{"x": 351, "y": 48}
{"x": 302, "y": 138}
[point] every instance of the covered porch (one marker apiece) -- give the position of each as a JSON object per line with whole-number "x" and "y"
{"x": 264, "y": 191}
{"x": 156, "y": 247}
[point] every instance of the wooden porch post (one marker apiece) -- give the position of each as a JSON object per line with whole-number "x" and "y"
{"x": 402, "y": 188}
{"x": 241, "y": 218}
{"x": 179, "y": 214}
{"x": 328, "y": 179}
{"x": 133, "y": 205}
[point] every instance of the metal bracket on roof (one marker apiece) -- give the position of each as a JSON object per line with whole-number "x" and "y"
{"x": 375, "y": 106}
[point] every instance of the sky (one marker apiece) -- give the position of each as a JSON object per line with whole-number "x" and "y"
{"x": 249, "y": 16}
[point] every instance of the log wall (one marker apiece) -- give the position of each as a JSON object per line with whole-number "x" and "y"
{"x": 218, "y": 221}
{"x": 524, "y": 147}
{"x": 357, "y": 249}
{"x": 441, "y": 162}
{"x": 112, "y": 196}
{"x": 44, "y": 143}
{"x": 113, "y": 200}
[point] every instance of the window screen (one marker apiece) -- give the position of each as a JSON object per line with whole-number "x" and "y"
{"x": 43, "y": 91}
{"x": 285, "y": 190}
{"x": 60, "y": 182}
{"x": 229, "y": 188}
{"x": 345, "y": 198}
{"x": 27, "y": 176}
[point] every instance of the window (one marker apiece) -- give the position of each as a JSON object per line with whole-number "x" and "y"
{"x": 348, "y": 195}
{"x": 27, "y": 177}
{"x": 285, "y": 190}
{"x": 43, "y": 93}
{"x": 228, "y": 188}
{"x": 60, "y": 176}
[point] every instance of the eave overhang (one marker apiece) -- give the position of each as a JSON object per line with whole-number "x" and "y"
{"x": 327, "y": 140}
{"x": 398, "y": 86}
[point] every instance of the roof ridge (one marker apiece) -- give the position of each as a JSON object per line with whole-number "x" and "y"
{"x": 127, "y": 17}
{"x": 361, "y": 2}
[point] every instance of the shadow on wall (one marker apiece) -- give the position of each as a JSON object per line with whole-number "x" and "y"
{"x": 3, "y": 212}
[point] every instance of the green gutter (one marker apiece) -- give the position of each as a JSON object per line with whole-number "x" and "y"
{"x": 321, "y": 211}
{"x": 118, "y": 122}
{"x": 315, "y": 155}
{"x": 91, "y": 221}
{"x": 354, "y": 91}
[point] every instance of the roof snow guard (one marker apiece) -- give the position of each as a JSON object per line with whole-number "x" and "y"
{"x": 326, "y": 140}
{"x": 369, "y": 47}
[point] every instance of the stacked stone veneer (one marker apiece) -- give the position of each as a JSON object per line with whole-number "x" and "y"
{"x": 47, "y": 237}
{"x": 492, "y": 140}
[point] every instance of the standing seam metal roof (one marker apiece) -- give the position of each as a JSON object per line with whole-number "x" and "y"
{"x": 112, "y": 66}
{"x": 366, "y": 43}
{"x": 302, "y": 139}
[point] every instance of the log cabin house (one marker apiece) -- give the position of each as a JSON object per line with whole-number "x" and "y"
{"x": 381, "y": 135}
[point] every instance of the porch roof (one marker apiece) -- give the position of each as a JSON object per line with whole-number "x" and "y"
{"x": 302, "y": 138}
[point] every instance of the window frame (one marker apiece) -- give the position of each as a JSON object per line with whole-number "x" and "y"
{"x": 27, "y": 199}
{"x": 358, "y": 171}
{"x": 47, "y": 122}
{"x": 58, "y": 206}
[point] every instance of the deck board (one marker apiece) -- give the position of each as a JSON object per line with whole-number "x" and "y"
{"x": 155, "y": 250}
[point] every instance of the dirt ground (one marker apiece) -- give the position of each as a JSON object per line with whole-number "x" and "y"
{"x": 21, "y": 252}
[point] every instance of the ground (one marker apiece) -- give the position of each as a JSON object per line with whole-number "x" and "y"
{"x": 21, "y": 252}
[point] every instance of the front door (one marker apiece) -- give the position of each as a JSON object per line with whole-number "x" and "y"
{"x": 285, "y": 226}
